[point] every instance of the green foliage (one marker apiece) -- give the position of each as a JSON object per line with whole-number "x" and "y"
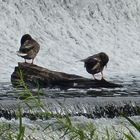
{"x": 136, "y": 125}
{"x": 131, "y": 135}
{"x": 28, "y": 96}
{"x": 77, "y": 131}
{"x": 65, "y": 125}
{"x": 128, "y": 136}
{"x": 20, "y": 135}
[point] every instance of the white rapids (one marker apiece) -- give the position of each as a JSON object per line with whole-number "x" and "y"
{"x": 70, "y": 30}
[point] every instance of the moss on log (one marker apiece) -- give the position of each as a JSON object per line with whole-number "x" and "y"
{"x": 34, "y": 76}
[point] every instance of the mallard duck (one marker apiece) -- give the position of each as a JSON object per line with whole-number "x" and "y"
{"x": 29, "y": 48}
{"x": 95, "y": 63}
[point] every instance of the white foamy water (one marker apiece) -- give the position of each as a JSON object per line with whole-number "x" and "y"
{"x": 69, "y": 30}
{"x": 39, "y": 130}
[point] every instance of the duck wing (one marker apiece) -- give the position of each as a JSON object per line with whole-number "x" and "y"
{"x": 91, "y": 62}
{"x": 27, "y": 46}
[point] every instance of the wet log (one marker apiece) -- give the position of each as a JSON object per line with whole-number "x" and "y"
{"x": 35, "y": 76}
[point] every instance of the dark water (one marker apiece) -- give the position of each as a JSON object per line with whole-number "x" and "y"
{"x": 92, "y": 103}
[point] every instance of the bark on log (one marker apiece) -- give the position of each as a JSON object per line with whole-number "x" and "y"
{"x": 34, "y": 75}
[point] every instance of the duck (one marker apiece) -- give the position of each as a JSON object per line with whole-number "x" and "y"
{"x": 28, "y": 48}
{"x": 95, "y": 64}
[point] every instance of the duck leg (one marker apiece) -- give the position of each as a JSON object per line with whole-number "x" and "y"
{"x": 94, "y": 77}
{"x": 32, "y": 61}
{"x": 102, "y": 75}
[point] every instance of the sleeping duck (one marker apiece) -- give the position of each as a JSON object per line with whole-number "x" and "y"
{"x": 29, "y": 48}
{"x": 95, "y": 63}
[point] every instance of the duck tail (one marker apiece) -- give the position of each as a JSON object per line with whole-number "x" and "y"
{"x": 21, "y": 54}
{"x": 82, "y": 60}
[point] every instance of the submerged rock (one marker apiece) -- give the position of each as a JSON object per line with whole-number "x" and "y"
{"x": 36, "y": 76}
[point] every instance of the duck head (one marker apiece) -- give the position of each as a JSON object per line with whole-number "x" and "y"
{"x": 25, "y": 38}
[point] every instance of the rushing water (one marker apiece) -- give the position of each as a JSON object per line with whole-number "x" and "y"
{"x": 91, "y": 103}
{"x": 67, "y": 31}
{"x": 70, "y": 30}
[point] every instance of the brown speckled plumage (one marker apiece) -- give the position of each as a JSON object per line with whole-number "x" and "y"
{"x": 29, "y": 48}
{"x": 95, "y": 63}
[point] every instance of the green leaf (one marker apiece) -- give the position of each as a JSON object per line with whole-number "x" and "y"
{"x": 137, "y": 126}
{"x": 129, "y": 137}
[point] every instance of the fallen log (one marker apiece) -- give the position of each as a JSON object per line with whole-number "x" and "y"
{"x": 34, "y": 76}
